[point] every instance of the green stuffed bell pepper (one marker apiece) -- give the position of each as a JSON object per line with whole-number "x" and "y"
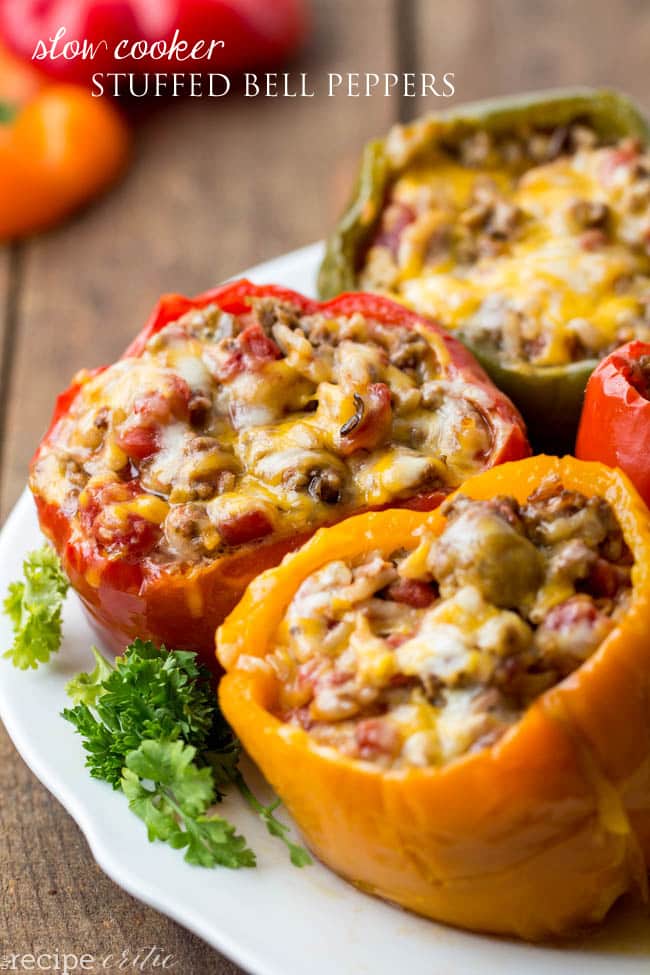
{"x": 523, "y": 224}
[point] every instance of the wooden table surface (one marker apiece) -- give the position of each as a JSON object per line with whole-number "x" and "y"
{"x": 216, "y": 187}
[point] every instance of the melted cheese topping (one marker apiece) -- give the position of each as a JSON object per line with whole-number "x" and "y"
{"x": 547, "y": 286}
{"x": 414, "y": 659}
{"x": 224, "y": 432}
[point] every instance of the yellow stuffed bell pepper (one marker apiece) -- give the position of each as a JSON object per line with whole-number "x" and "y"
{"x": 455, "y": 705}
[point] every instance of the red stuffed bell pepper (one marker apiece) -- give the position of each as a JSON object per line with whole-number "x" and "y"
{"x": 254, "y": 32}
{"x": 615, "y": 421}
{"x": 236, "y": 424}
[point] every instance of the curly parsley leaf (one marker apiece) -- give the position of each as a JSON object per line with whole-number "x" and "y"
{"x": 149, "y": 694}
{"x": 87, "y": 688}
{"x": 34, "y": 607}
{"x": 172, "y": 796}
{"x": 151, "y": 725}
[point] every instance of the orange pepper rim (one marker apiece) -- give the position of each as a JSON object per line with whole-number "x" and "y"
{"x": 267, "y": 598}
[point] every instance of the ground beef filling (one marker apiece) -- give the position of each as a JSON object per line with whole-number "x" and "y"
{"x": 416, "y": 658}
{"x": 231, "y": 429}
{"x": 498, "y": 237}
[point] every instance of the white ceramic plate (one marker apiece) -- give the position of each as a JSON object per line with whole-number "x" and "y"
{"x": 274, "y": 920}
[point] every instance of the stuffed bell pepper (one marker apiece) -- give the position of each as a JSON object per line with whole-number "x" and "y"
{"x": 615, "y": 421}
{"x": 235, "y": 425}
{"x": 455, "y": 705}
{"x": 523, "y": 225}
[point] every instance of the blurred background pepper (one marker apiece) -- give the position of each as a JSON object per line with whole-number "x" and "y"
{"x": 59, "y": 147}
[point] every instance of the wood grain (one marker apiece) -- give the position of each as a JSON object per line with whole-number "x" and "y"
{"x": 7, "y": 296}
{"x": 215, "y": 187}
{"x": 506, "y": 46}
{"x": 53, "y": 896}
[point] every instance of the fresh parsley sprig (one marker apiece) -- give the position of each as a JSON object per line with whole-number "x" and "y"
{"x": 34, "y": 607}
{"x": 149, "y": 694}
{"x": 151, "y": 726}
{"x": 171, "y": 794}
{"x": 297, "y": 854}
{"x": 223, "y": 758}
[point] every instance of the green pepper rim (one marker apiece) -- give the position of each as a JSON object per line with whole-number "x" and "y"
{"x": 548, "y": 397}
{"x": 554, "y": 391}
{"x": 611, "y": 114}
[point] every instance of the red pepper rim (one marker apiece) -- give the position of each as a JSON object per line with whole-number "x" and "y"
{"x": 625, "y": 358}
{"x": 507, "y": 433}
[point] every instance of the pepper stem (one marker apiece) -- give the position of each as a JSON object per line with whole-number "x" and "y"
{"x": 8, "y": 112}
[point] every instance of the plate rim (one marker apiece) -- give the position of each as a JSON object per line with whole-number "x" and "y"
{"x": 252, "y": 956}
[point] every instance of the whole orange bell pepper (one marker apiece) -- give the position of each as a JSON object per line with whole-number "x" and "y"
{"x": 57, "y": 152}
{"x": 533, "y": 836}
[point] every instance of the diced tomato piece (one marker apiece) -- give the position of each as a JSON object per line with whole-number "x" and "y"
{"x": 251, "y": 350}
{"x": 396, "y": 640}
{"x": 134, "y": 540}
{"x": 310, "y": 671}
{"x": 606, "y": 579}
{"x": 301, "y": 716}
{"x": 154, "y": 409}
{"x": 413, "y": 592}
{"x": 129, "y": 536}
{"x": 139, "y": 442}
{"x": 624, "y": 155}
{"x": 575, "y": 611}
{"x": 373, "y": 424}
{"x": 163, "y": 405}
{"x": 376, "y": 738}
{"x": 246, "y": 527}
{"x": 336, "y": 678}
{"x": 397, "y": 217}
{"x": 93, "y": 500}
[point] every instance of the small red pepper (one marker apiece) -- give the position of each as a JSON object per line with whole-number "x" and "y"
{"x": 615, "y": 422}
{"x": 255, "y": 33}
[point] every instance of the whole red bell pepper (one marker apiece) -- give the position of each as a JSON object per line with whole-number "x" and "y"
{"x": 255, "y": 33}
{"x": 615, "y": 421}
{"x": 129, "y": 595}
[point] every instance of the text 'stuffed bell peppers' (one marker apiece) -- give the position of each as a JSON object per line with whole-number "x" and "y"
{"x": 615, "y": 422}
{"x": 57, "y": 151}
{"x": 254, "y": 33}
{"x": 550, "y": 396}
{"x": 181, "y": 604}
{"x": 532, "y": 836}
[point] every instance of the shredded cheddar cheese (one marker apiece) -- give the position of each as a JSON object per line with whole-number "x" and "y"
{"x": 547, "y": 266}
{"x": 227, "y": 430}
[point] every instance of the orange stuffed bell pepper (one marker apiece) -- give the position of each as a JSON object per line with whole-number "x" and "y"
{"x": 236, "y": 424}
{"x": 455, "y": 705}
{"x": 58, "y": 150}
{"x": 615, "y": 421}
